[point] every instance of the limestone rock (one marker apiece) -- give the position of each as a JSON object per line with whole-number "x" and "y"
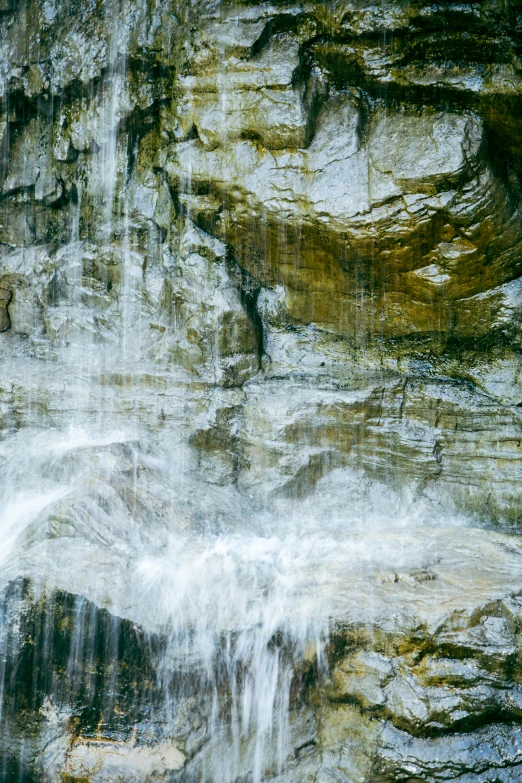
{"x": 363, "y": 220}
{"x": 5, "y": 298}
{"x": 260, "y": 423}
{"x": 108, "y": 761}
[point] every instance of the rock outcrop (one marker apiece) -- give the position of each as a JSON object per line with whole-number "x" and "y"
{"x": 260, "y": 281}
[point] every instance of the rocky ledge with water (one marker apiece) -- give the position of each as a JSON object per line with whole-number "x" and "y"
{"x": 260, "y": 397}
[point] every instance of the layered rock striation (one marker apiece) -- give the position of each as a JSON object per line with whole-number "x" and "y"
{"x": 260, "y": 275}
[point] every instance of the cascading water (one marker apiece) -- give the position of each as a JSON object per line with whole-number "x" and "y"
{"x": 238, "y": 601}
{"x": 250, "y": 455}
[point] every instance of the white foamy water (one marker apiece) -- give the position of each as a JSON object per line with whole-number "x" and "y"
{"x": 18, "y": 513}
{"x": 243, "y": 598}
{"x": 239, "y": 600}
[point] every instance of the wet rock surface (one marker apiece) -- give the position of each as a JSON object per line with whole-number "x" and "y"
{"x": 260, "y": 308}
{"x": 423, "y": 677}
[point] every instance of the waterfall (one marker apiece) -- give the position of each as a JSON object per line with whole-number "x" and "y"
{"x": 236, "y": 602}
{"x": 260, "y": 392}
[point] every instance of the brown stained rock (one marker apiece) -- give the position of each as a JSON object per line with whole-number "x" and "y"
{"x": 391, "y": 235}
{"x": 306, "y": 292}
{"x": 5, "y": 297}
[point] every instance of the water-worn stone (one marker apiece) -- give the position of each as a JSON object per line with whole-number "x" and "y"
{"x": 108, "y": 761}
{"x": 5, "y": 298}
{"x": 260, "y": 316}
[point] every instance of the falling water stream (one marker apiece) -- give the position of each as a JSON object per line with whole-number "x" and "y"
{"x": 243, "y": 598}
{"x": 235, "y": 599}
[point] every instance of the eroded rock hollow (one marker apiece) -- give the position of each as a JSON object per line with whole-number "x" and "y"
{"x": 260, "y": 396}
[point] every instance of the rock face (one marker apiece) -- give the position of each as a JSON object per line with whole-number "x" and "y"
{"x": 260, "y": 398}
